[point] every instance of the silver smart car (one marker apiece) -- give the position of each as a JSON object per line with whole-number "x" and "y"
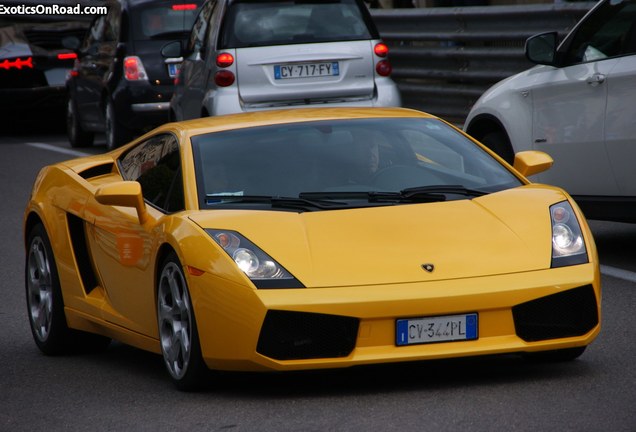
{"x": 246, "y": 55}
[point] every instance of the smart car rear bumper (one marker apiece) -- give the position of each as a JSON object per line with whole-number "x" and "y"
{"x": 227, "y": 100}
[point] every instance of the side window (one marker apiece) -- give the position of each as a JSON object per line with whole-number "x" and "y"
{"x": 609, "y": 32}
{"x": 200, "y": 26}
{"x": 156, "y": 165}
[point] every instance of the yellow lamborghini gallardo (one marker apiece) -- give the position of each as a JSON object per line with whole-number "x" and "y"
{"x": 304, "y": 239}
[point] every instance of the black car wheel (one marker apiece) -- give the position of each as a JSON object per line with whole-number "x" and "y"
{"x": 45, "y": 303}
{"x": 77, "y": 136}
{"x": 116, "y": 134}
{"x": 177, "y": 328}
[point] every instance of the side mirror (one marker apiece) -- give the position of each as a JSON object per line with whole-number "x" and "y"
{"x": 124, "y": 194}
{"x": 172, "y": 49}
{"x": 532, "y": 162}
{"x": 542, "y": 48}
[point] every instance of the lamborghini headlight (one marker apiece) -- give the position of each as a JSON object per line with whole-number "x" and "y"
{"x": 253, "y": 261}
{"x": 568, "y": 245}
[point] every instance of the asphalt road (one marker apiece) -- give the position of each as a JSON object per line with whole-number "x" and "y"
{"x": 127, "y": 389}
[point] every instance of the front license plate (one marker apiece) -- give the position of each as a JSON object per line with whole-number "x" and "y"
{"x": 436, "y": 329}
{"x": 306, "y": 70}
{"x": 173, "y": 69}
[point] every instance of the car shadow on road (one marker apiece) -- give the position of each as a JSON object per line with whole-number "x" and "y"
{"x": 359, "y": 380}
{"x": 431, "y": 375}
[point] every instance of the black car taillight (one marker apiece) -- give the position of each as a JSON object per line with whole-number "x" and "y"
{"x": 184, "y": 6}
{"x": 134, "y": 69}
{"x": 17, "y": 63}
{"x": 67, "y": 56}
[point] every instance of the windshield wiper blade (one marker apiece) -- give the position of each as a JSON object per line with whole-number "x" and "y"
{"x": 419, "y": 194}
{"x": 414, "y": 192}
{"x": 375, "y": 197}
{"x": 276, "y": 201}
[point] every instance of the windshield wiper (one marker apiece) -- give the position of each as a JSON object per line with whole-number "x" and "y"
{"x": 441, "y": 190}
{"x": 419, "y": 194}
{"x": 275, "y": 201}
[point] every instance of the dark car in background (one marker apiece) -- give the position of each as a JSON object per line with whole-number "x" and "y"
{"x": 34, "y": 63}
{"x": 120, "y": 84}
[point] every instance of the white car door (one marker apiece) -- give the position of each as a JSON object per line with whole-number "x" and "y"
{"x": 568, "y": 124}
{"x": 620, "y": 124}
{"x": 584, "y": 113}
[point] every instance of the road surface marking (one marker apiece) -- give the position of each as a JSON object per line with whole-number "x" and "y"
{"x": 58, "y": 149}
{"x": 618, "y": 273}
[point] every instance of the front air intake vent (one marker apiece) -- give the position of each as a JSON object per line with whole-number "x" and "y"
{"x": 566, "y": 314}
{"x": 300, "y": 335}
{"x": 97, "y": 171}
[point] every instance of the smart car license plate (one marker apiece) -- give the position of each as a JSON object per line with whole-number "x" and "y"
{"x": 436, "y": 329}
{"x": 306, "y": 70}
{"x": 173, "y": 69}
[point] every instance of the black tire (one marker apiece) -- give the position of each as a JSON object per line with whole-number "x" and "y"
{"x": 77, "y": 136}
{"x": 498, "y": 142}
{"x": 561, "y": 355}
{"x": 45, "y": 304}
{"x": 178, "y": 334}
{"x": 116, "y": 134}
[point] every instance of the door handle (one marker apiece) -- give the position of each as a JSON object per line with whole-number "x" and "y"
{"x": 596, "y": 79}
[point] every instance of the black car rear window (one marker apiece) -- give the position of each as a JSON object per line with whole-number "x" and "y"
{"x": 164, "y": 20}
{"x": 251, "y": 23}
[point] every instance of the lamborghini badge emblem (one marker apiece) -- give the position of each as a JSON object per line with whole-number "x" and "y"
{"x": 428, "y": 267}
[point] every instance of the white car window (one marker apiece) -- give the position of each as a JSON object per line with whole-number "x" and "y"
{"x": 609, "y": 32}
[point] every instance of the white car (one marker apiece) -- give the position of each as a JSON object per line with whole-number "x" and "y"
{"x": 578, "y": 106}
{"x": 256, "y": 55}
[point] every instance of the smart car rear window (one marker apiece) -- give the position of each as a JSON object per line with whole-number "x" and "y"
{"x": 251, "y": 23}
{"x": 164, "y": 21}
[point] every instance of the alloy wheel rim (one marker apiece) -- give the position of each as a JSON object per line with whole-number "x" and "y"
{"x": 40, "y": 289}
{"x": 175, "y": 320}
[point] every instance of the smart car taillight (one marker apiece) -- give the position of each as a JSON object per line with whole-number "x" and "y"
{"x": 134, "y": 69}
{"x": 383, "y": 68}
{"x": 224, "y": 60}
{"x": 224, "y": 78}
{"x": 381, "y": 49}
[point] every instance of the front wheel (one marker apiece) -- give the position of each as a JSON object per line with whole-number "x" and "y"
{"x": 116, "y": 134}
{"x": 177, "y": 328}
{"x": 77, "y": 136}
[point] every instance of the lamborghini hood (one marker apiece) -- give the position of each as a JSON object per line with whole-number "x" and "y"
{"x": 504, "y": 232}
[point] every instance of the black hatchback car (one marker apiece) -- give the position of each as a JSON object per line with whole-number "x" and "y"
{"x": 120, "y": 84}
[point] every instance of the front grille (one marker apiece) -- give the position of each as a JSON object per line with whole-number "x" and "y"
{"x": 566, "y": 314}
{"x": 300, "y": 335}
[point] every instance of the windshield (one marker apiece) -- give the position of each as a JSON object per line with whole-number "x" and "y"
{"x": 266, "y": 23}
{"x": 167, "y": 20}
{"x": 382, "y": 161}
